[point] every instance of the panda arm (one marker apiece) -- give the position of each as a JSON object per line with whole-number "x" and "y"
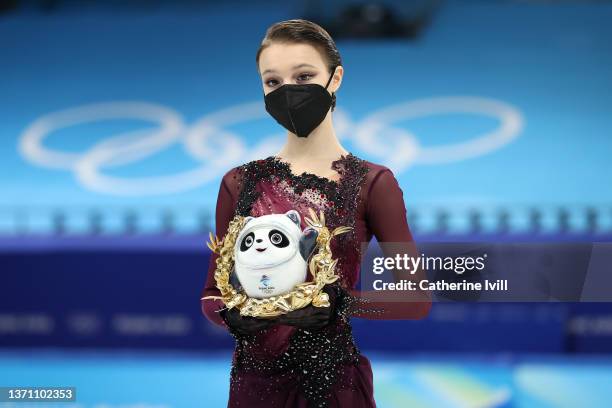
{"x": 386, "y": 218}
{"x": 226, "y": 203}
{"x": 308, "y": 242}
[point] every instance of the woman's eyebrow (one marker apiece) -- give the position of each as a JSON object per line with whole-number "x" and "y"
{"x": 296, "y": 67}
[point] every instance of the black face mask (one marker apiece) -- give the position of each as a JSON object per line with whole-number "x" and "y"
{"x": 299, "y": 108}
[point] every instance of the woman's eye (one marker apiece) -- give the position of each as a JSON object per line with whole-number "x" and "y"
{"x": 305, "y": 77}
{"x": 301, "y": 78}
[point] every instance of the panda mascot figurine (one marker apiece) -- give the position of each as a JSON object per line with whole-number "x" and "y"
{"x": 271, "y": 254}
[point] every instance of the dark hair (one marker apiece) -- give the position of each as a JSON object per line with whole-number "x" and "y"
{"x": 305, "y": 32}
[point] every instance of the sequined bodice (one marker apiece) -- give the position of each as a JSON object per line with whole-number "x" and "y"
{"x": 269, "y": 187}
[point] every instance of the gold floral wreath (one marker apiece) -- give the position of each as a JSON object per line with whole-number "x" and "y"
{"x": 321, "y": 266}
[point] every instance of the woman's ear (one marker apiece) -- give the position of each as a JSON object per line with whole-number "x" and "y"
{"x": 338, "y": 74}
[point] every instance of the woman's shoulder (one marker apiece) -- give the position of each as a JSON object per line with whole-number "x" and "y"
{"x": 255, "y": 166}
{"x": 375, "y": 170}
{"x": 376, "y": 167}
{"x": 381, "y": 189}
{"x": 233, "y": 177}
{"x": 230, "y": 174}
{"x": 379, "y": 181}
{"x": 260, "y": 163}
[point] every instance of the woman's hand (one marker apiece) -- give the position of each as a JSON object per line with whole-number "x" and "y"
{"x": 311, "y": 317}
{"x": 245, "y": 325}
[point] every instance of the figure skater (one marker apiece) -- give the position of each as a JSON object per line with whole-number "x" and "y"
{"x": 308, "y": 357}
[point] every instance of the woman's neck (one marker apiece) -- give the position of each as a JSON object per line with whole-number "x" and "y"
{"x": 321, "y": 145}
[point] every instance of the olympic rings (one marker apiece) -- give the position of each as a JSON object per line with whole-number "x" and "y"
{"x": 217, "y": 149}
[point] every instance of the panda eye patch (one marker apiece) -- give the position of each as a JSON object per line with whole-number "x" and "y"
{"x": 278, "y": 239}
{"x": 247, "y": 241}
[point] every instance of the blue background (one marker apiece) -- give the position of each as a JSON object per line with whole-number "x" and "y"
{"x": 549, "y": 63}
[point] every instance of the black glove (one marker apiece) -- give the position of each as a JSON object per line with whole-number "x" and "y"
{"x": 245, "y": 325}
{"x": 311, "y": 317}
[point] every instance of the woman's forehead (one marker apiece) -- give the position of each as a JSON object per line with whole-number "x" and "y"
{"x": 284, "y": 57}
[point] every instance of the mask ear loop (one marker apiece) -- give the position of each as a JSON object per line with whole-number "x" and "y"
{"x": 330, "y": 78}
{"x": 333, "y": 94}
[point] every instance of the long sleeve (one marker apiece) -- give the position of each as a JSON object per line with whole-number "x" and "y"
{"x": 226, "y": 203}
{"x": 386, "y": 218}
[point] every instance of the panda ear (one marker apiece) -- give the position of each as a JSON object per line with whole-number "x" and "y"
{"x": 294, "y": 216}
{"x": 247, "y": 219}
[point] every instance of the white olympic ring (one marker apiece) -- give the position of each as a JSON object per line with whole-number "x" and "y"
{"x": 371, "y": 128}
{"x": 218, "y": 149}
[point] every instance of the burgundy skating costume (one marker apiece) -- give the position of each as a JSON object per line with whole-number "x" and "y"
{"x": 285, "y": 366}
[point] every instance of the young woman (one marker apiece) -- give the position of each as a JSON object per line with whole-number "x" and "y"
{"x": 309, "y": 357}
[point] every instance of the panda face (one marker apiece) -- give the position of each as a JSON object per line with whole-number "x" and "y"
{"x": 265, "y": 247}
{"x": 275, "y": 237}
